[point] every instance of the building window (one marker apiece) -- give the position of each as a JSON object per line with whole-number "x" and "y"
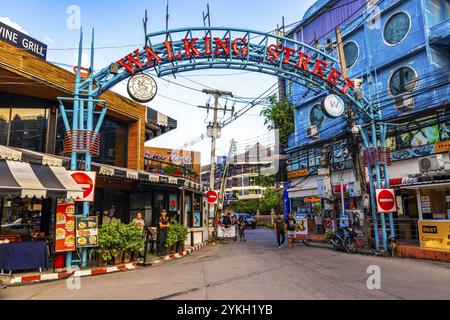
{"x": 24, "y": 128}
{"x": 351, "y": 52}
{"x": 403, "y": 80}
{"x": 396, "y": 28}
{"x": 4, "y": 125}
{"x": 316, "y": 116}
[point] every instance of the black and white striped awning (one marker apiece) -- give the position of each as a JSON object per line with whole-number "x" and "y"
{"x": 27, "y": 174}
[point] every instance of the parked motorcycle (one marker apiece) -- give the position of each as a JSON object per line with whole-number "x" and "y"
{"x": 344, "y": 239}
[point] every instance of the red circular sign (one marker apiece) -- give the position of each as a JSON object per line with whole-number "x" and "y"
{"x": 212, "y": 197}
{"x": 386, "y": 201}
{"x": 85, "y": 182}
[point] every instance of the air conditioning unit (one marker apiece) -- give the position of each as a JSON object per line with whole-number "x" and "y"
{"x": 432, "y": 163}
{"x": 312, "y": 132}
{"x": 404, "y": 102}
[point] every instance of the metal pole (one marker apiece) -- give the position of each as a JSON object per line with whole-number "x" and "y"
{"x": 383, "y": 128}
{"x": 378, "y": 175}
{"x": 213, "y": 151}
{"x": 89, "y": 127}
{"x": 342, "y": 198}
{"x": 373, "y": 203}
{"x": 76, "y": 102}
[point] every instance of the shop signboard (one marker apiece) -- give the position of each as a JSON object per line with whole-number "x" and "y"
{"x": 434, "y": 234}
{"x": 65, "y": 227}
{"x": 86, "y": 232}
{"x": 86, "y": 180}
{"x": 442, "y": 147}
{"x": 22, "y": 41}
{"x": 298, "y": 173}
{"x": 386, "y": 201}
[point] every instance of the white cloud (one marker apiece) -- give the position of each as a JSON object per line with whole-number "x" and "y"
{"x": 84, "y": 59}
{"x": 47, "y": 39}
{"x": 12, "y": 24}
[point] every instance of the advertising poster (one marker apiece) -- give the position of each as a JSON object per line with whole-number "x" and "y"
{"x": 87, "y": 232}
{"x": 301, "y": 228}
{"x": 434, "y": 234}
{"x": 197, "y": 219}
{"x": 65, "y": 227}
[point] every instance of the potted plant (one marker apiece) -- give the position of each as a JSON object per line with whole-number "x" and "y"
{"x": 172, "y": 237}
{"x": 183, "y": 232}
{"x": 134, "y": 241}
{"x": 177, "y": 234}
{"x": 107, "y": 244}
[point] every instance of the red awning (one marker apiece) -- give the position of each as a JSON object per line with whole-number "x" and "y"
{"x": 337, "y": 189}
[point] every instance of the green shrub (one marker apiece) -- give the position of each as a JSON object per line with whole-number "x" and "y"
{"x": 116, "y": 237}
{"x": 176, "y": 233}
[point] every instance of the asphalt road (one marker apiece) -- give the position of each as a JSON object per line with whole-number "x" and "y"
{"x": 257, "y": 269}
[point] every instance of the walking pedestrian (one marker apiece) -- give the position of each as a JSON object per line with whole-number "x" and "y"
{"x": 280, "y": 230}
{"x": 242, "y": 226}
{"x": 163, "y": 227}
{"x": 291, "y": 230}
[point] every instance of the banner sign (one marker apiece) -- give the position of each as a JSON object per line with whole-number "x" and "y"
{"x": 22, "y": 41}
{"x": 87, "y": 232}
{"x": 434, "y": 234}
{"x": 65, "y": 227}
{"x": 223, "y": 232}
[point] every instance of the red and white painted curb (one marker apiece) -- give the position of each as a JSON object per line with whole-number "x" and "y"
{"x": 98, "y": 271}
{"x": 75, "y": 274}
{"x": 180, "y": 255}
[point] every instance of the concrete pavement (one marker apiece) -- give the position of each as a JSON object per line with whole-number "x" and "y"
{"x": 257, "y": 269}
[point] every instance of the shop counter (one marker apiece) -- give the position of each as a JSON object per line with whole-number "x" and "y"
{"x": 24, "y": 256}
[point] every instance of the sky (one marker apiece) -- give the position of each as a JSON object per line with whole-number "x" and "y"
{"x": 118, "y": 24}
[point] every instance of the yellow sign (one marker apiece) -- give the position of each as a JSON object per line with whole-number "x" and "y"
{"x": 443, "y": 146}
{"x": 298, "y": 173}
{"x": 435, "y": 234}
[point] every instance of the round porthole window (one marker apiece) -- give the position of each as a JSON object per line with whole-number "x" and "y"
{"x": 403, "y": 80}
{"x": 316, "y": 116}
{"x": 351, "y": 52}
{"x": 396, "y": 28}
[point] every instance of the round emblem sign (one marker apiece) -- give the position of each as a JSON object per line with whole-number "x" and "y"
{"x": 142, "y": 88}
{"x": 333, "y": 106}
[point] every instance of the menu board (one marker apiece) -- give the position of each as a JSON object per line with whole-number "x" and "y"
{"x": 87, "y": 232}
{"x": 65, "y": 227}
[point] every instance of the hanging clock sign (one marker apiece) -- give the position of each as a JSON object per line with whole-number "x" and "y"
{"x": 333, "y": 106}
{"x": 142, "y": 88}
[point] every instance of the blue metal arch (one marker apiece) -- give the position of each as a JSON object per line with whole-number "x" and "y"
{"x": 254, "y": 60}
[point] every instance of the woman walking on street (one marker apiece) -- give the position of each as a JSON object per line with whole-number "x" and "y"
{"x": 242, "y": 226}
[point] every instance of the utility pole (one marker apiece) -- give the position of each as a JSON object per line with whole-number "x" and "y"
{"x": 214, "y": 132}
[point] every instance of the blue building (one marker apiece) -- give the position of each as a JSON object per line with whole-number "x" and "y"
{"x": 398, "y": 50}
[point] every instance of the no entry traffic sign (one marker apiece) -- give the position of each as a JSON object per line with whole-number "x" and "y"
{"x": 212, "y": 197}
{"x": 386, "y": 200}
{"x": 86, "y": 180}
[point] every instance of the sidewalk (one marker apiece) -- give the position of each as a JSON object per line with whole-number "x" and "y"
{"x": 33, "y": 278}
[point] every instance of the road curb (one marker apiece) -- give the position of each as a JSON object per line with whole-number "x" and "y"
{"x": 179, "y": 255}
{"x": 40, "y": 278}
